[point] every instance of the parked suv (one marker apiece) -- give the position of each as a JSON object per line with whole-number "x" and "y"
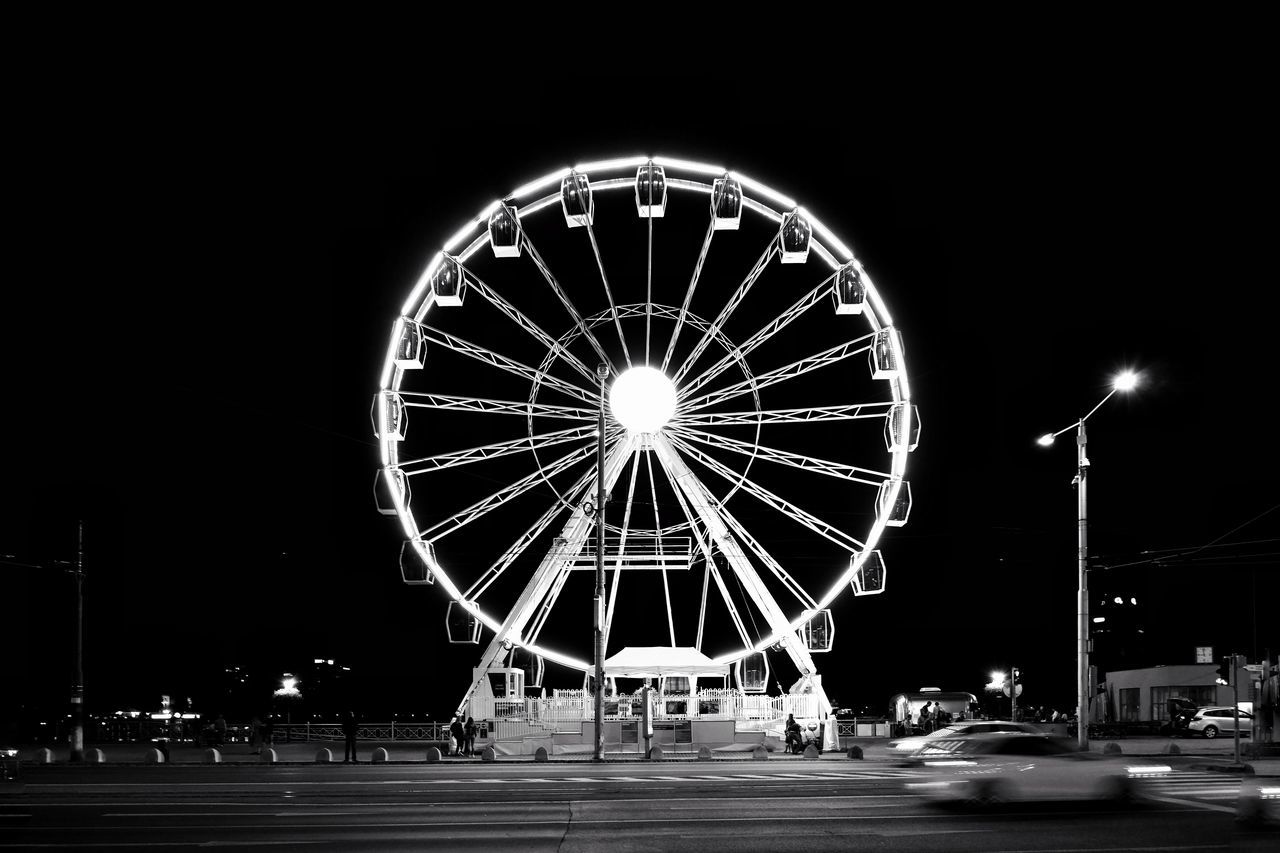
{"x": 1212, "y": 722}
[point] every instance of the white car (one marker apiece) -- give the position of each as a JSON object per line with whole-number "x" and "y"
{"x": 1011, "y": 767}
{"x": 1212, "y": 722}
{"x": 964, "y": 729}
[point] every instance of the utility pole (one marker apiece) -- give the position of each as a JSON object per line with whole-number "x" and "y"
{"x": 602, "y": 372}
{"x": 77, "y": 686}
{"x": 1082, "y": 594}
{"x": 1235, "y": 708}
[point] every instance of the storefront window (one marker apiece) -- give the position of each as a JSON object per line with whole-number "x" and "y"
{"x": 1129, "y": 704}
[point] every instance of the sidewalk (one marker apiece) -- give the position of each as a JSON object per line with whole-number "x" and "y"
{"x": 875, "y": 750}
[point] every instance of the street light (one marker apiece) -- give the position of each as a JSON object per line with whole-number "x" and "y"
{"x": 1126, "y": 381}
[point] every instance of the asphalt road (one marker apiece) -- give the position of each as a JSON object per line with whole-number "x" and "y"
{"x": 701, "y": 806}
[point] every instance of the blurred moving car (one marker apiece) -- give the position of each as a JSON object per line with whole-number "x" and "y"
{"x": 1259, "y": 801}
{"x": 1211, "y": 722}
{"x": 1007, "y": 767}
{"x": 972, "y": 727}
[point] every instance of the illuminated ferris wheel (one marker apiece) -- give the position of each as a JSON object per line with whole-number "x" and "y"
{"x": 758, "y": 422}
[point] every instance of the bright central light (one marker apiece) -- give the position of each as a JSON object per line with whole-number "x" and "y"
{"x": 1126, "y": 381}
{"x": 643, "y": 399}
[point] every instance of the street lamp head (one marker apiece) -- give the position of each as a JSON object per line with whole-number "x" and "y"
{"x": 1126, "y": 381}
{"x": 1045, "y": 440}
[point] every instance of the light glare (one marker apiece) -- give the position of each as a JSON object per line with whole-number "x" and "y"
{"x": 1126, "y": 381}
{"x": 643, "y": 399}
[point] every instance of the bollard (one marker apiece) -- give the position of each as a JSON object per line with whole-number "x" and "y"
{"x": 489, "y": 754}
{"x": 380, "y": 755}
{"x": 540, "y": 754}
{"x": 704, "y": 753}
{"x": 655, "y": 753}
{"x": 810, "y": 752}
{"x": 268, "y": 756}
{"x": 323, "y": 756}
{"x": 854, "y": 752}
{"x": 433, "y": 754}
{"x": 1112, "y": 749}
{"x": 760, "y": 754}
{"x": 44, "y": 755}
{"x": 93, "y": 756}
{"x": 212, "y": 756}
{"x": 153, "y": 756}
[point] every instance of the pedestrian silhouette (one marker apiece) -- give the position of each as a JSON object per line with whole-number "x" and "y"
{"x": 350, "y": 729}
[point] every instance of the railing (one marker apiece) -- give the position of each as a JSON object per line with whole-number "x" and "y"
{"x": 574, "y": 706}
{"x": 367, "y": 731}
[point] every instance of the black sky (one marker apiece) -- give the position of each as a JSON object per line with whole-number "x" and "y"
{"x": 217, "y": 262}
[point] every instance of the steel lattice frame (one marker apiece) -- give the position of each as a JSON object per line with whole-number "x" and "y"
{"x": 678, "y": 447}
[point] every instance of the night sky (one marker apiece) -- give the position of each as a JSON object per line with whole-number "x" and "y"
{"x": 219, "y": 272}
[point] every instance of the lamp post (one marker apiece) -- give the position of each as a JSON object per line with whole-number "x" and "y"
{"x": 602, "y": 372}
{"x": 1123, "y": 382}
{"x": 77, "y": 688}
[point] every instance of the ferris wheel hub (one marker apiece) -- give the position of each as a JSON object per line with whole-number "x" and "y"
{"x": 643, "y": 399}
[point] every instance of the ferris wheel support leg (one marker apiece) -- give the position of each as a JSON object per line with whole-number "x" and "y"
{"x": 701, "y": 501}
{"x": 575, "y": 533}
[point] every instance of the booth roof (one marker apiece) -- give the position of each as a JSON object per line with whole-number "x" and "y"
{"x": 654, "y": 661}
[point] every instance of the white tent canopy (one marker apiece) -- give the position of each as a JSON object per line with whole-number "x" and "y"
{"x": 657, "y": 661}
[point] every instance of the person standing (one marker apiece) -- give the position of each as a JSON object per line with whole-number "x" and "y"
{"x": 219, "y": 730}
{"x": 350, "y": 729}
{"x": 255, "y": 735}
{"x": 458, "y": 734}
{"x": 924, "y": 717}
{"x": 469, "y": 735}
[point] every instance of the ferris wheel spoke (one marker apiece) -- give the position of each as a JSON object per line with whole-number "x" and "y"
{"x": 583, "y": 329}
{"x": 648, "y": 290}
{"x": 536, "y": 331}
{"x": 451, "y": 402}
{"x": 657, "y": 525}
{"x": 573, "y": 535}
{"x": 487, "y": 356}
{"x": 782, "y": 374}
{"x": 457, "y": 520}
{"x": 793, "y": 586}
{"x": 767, "y": 497}
{"x": 727, "y": 518}
{"x": 703, "y": 502}
{"x": 622, "y": 546}
{"x": 496, "y": 450}
{"x": 812, "y": 298}
{"x": 544, "y": 607}
{"x": 725, "y": 313}
{"x": 704, "y": 545}
{"x": 688, "y": 295}
{"x": 604, "y": 279}
{"x": 526, "y": 539}
{"x": 784, "y": 457}
{"x": 812, "y": 414}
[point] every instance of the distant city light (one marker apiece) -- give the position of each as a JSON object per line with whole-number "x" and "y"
{"x": 1119, "y": 600}
{"x": 288, "y": 686}
{"x": 1133, "y": 601}
{"x": 1099, "y": 619}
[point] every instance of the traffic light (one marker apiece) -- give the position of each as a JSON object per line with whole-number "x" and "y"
{"x": 1017, "y": 675}
{"x": 1224, "y": 671}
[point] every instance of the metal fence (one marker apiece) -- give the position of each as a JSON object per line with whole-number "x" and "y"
{"x": 573, "y": 706}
